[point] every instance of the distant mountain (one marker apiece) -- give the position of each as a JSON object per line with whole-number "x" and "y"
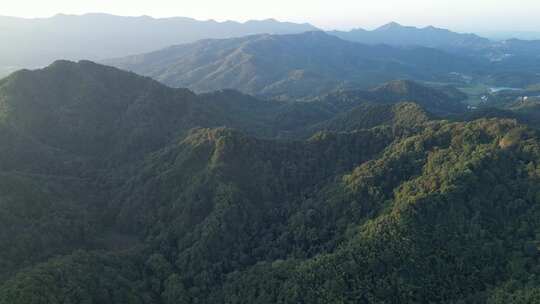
{"x": 296, "y": 65}
{"x": 510, "y": 62}
{"x": 508, "y": 51}
{"x": 398, "y": 35}
{"x": 28, "y": 43}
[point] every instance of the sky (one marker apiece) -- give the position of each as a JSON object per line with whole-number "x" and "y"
{"x": 459, "y": 15}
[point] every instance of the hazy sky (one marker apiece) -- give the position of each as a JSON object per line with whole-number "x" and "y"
{"x": 462, "y": 15}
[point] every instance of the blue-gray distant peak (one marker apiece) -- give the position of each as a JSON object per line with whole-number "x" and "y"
{"x": 389, "y": 26}
{"x": 116, "y": 36}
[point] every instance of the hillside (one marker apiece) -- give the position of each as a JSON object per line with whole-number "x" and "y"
{"x": 437, "y": 100}
{"x": 401, "y": 116}
{"x": 292, "y": 66}
{"x": 118, "y": 189}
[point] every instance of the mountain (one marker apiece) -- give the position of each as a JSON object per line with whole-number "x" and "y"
{"x": 29, "y": 43}
{"x": 93, "y": 110}
{"x": 291, "y": 66}
{"x": 437, "y": 100}
{"x": 506, "y": 63}
{"x": 72, "y": 133}
{"x": 69, "y": 133}
{"x": 398, "y": 35}
{"x": 497, "y": 51}
{"x": 87, "y": 111}
{"x": 118, "y": 189}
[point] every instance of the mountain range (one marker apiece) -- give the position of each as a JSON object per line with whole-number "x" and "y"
{"x": 314, "y": 63}
{"x": 399, "y": 35}
{"x": 118, "y": 189}
{"x": 507, "y": 55}
{"x": 30, "y": 43}
{"x": 266, "y": 162}
{"x": 291, "y": 66}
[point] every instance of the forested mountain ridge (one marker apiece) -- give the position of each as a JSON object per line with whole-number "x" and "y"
{"x": 381, "y": 204}
{"x": 64, "y": 128}
{"x": 227, "y": 238}
{"x": 404, "y": 117}
{"x": 97, "y": 110}
{"x": 437, "y": 100}
{"x": 296, "y": 65}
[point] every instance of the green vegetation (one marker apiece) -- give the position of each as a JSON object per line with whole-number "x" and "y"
{"x": 440, "y": 100}
{"x": 116, "y": 189}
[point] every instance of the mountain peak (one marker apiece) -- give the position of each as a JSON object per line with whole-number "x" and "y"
{"x": 271, "y": 20}
{"x": 395, "y": 34}
{"x": 389, "y": 26}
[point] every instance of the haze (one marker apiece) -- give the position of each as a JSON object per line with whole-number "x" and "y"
{"x": 460, "y": 15}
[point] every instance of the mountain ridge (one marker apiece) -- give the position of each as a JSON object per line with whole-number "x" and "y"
{"x": 100, "y": 36}
{"x": 295, "y": 65}
{"x": 509, "y": 58}
{"x": 396, "y": 34}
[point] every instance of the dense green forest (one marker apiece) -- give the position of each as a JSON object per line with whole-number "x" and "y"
{"x": 117, "y": 189}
